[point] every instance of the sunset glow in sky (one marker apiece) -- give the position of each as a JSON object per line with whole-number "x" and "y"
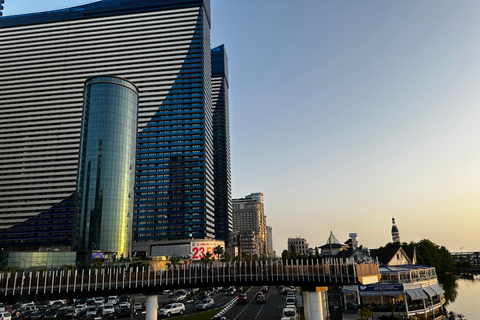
{"x": 345, "y": 114}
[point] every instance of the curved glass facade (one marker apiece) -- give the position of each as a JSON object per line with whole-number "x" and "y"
{"x": 106, "y": 172}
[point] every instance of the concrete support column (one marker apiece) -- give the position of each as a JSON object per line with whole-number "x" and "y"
{"x": 151, "y": 306}
{"x": 315, "y": 304}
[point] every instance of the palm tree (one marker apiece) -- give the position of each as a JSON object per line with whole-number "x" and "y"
{"x": 10, "y": 269}
{"x": 174, "y": 261}
{"x": 70, "y": 267}
{"x": 208, "y": 258}
{"x": 226, "y": 257}
{"x": 98, "y": 265}
{"x": 218, "y": 250}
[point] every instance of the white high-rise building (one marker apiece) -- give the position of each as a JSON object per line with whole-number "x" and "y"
{"x": 163, "y": 47}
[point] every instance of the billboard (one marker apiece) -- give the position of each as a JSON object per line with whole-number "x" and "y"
{"x": 199, "y": 248}
{"x": 97, "y": 255}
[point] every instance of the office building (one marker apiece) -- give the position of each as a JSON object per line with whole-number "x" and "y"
{"x": 299, "y": 244}
{"x": 221, "y": 145}
{"x": 106, "y": 171}
{"x": 249, "y": 215}
{"x": 163, "y": 46}
{"x": 271, "y": 252}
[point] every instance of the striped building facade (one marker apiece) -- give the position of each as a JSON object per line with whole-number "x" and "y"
{"x": 163, "y": 47}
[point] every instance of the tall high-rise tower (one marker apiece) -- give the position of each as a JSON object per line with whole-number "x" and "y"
{"x": 106, "y": 173}
{"x": 395, "y": 232}
{"x": 163, "y": 46}
{"x": 249, "y": 215}
{"x": 221, "y": 145}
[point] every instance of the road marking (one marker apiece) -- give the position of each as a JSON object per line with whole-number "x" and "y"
{"x": 243, "y": 309}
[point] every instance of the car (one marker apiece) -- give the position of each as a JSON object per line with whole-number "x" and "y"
{"x": 180, "y": 295}
{"x": 239, "y": 289}
{"x": 230, "y": 292}
{"x": 289, "y": 302}
{"x": 5, "y": 315}
{"x": 265, "y": 289}
{"x": 258, "y": 294}
{"x": 172, "y": 308}
{"x": 242, "y": 298}
{"x": 205, "y": 304}
{"x": 138, "y": 306}
{"x": 124, "y": 305}
{"x": 91, "y": 312}
{"x": 121, "y": 313}
{"x": 99, "y": 300}
{"x": 2, "y": 307}
{"x": 261, "y": 299}
{"x": 217, "y": 317}
{"x": 202, "y": 295}
{"x": 108, "y": 308}
{"x": 38, "y": 314}
{"x": 289, "y": 314}
{"x": 112, "y": 299}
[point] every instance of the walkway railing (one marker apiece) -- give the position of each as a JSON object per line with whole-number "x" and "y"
{"x": 194, "y": 275}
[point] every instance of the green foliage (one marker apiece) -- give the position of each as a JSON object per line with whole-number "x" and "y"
{"x": 365, "y": 314}
{"x": 208, "y": 258}
{"x": 226, "y": 257}
{"x": 429, "y": 253}
{"x": 10, "y": 269}
{"x": 293, "y": 252}
{"x": 98, "y": 265}
{"x": 173, "y": 262}
{"x": 285, "y": 255}
{"x": 70, "y": 267}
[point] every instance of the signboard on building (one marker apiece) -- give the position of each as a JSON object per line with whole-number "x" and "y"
{"x": 97, "y": 255}
{"x": 198, "y": 249}
{"x": 382, "y": 287}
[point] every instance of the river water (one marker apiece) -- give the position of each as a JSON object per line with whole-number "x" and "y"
{"x": 463, "y": 296}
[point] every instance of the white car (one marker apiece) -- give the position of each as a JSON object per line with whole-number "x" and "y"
{"x": 108, "y": 309}
{"x": 172, "y": 308}
{"x": 5, "y": 315}
{"x": 289, "y": 314}
{"x": 99, "y": 300}
{"x": 205, "y": 304}
{"x": 112, "y": 299}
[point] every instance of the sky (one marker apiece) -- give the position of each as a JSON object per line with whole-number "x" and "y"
{"x": 345, "y": 114}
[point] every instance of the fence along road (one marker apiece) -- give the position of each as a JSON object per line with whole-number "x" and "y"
{"x": 54, "y": 284}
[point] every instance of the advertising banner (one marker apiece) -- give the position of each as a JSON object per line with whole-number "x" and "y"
{"x": 97, "y": 255}
{"x": 381, "y": 287}
{"x": 199, "y": 248}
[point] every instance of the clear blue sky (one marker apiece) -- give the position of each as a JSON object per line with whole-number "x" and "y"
{"x": 348, "y": 113}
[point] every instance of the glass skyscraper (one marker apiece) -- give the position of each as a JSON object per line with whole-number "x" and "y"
{"x": 221, "y": 143}
{"x": 106, "y": 171}
{"x": 163, "y": 46}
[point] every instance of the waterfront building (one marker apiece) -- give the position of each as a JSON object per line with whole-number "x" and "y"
{"x": 221, "y": 145}
{"x": 163, "y": 46}
{"x": 106, "y": 170}
{"x": 300, "y": 244}
{"x": 249, "y": 216}
{"x": 414, "y": 289}
{"x": 332, "y": 247}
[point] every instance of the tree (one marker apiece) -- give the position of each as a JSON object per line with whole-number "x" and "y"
{"x": 10, "y": 269}
{"x": 348, "y": 243}
{"x": 226, "y": 257}
{"x": 174, "y": 261}
{"x": 293, "y": 252}
{"x": 218, "y": 250}
{"x": 98, "y": 265}
{"x": 208, "y": 258}
{"x": 365, "y": 314}
{"x": 285, "y": 255}
{"x": 317, "y": 252}
{"x": 70, "y": 267}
